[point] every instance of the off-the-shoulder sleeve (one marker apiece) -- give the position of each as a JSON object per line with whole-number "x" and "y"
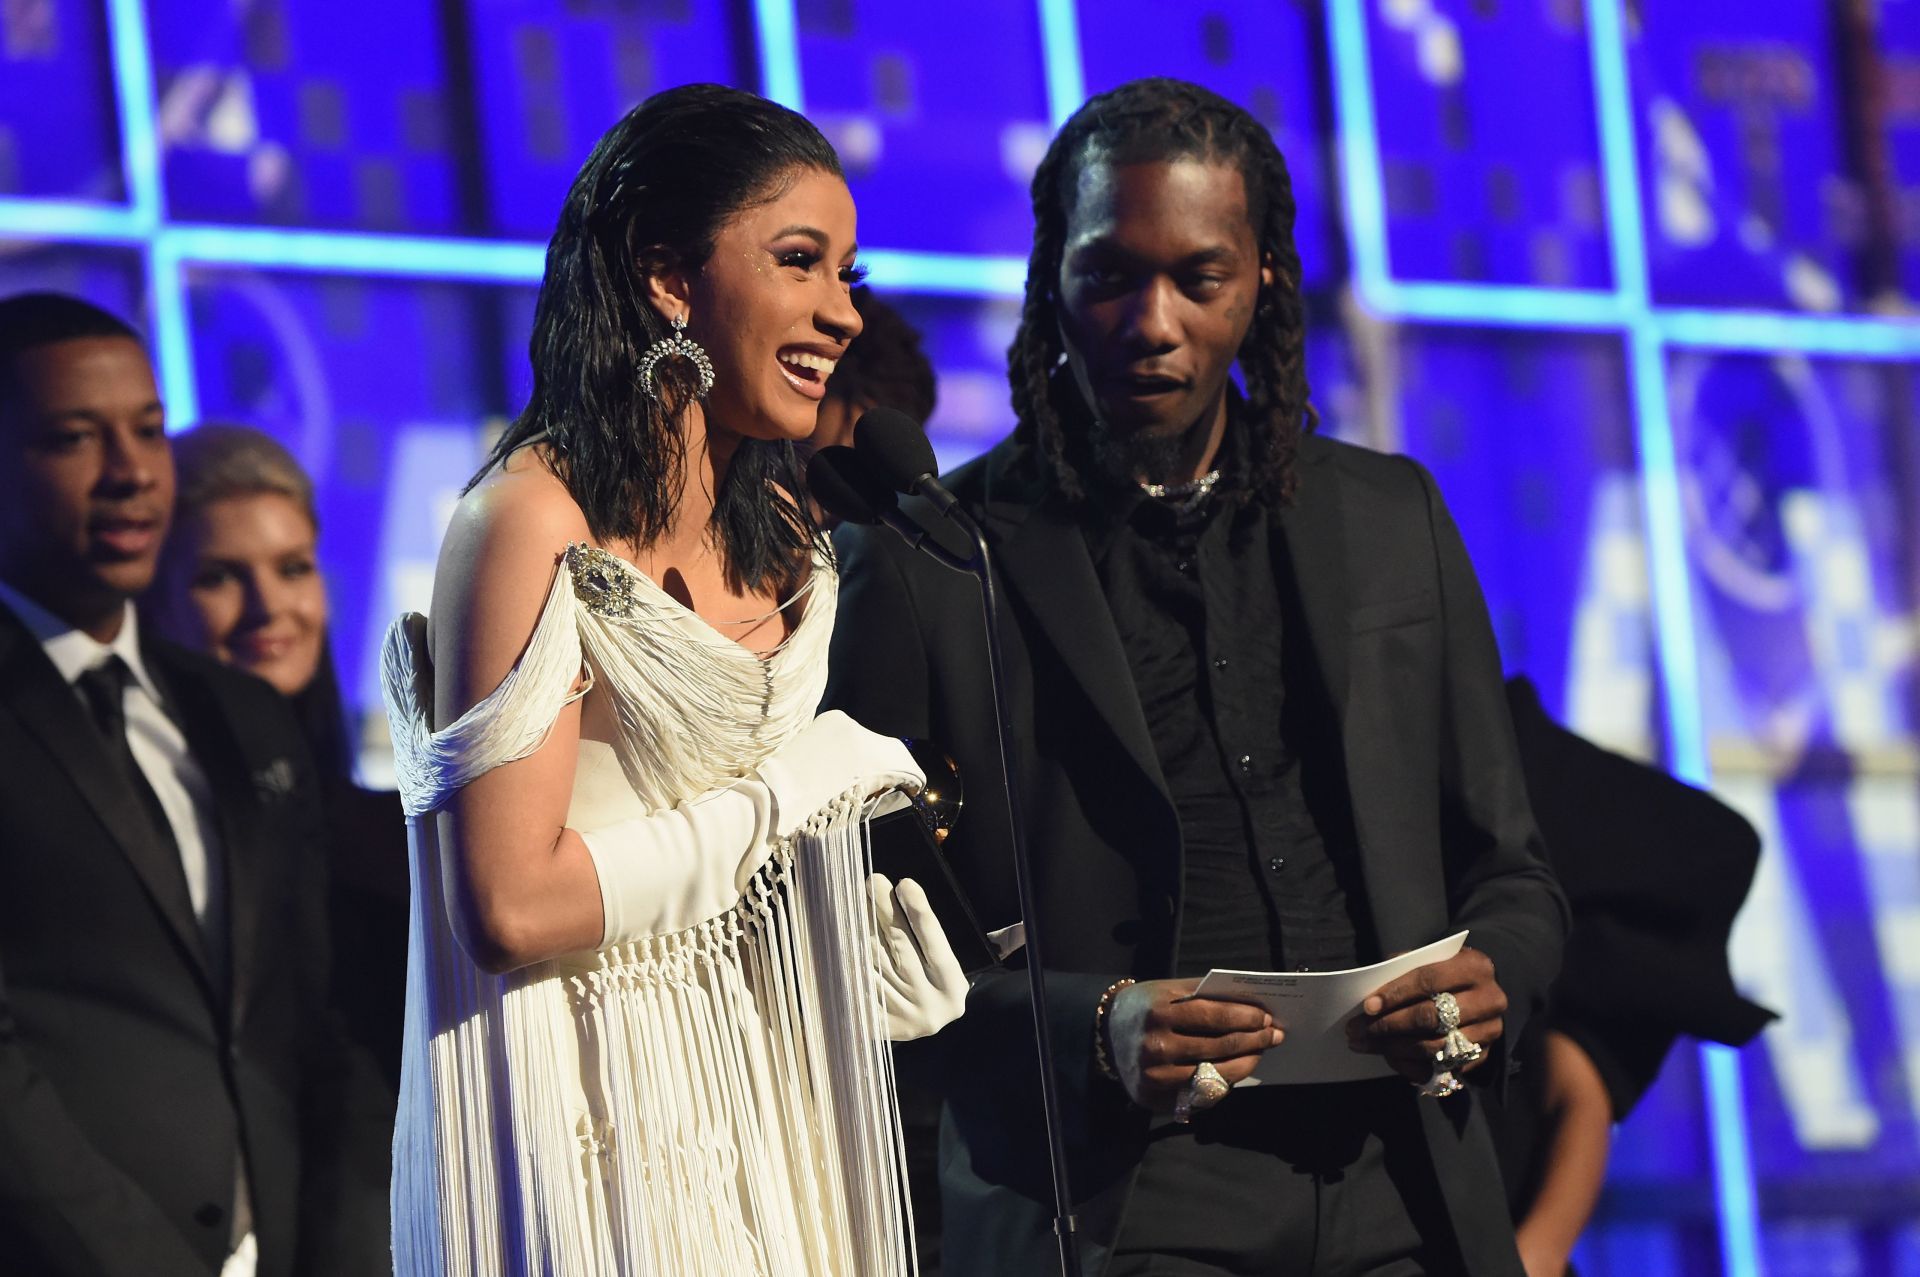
{"x": 510, "y": 723}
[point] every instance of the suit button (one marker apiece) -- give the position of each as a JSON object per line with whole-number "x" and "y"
{"x": 1219, "y": 662}
{"x": 209, "y": 1216}
{"x": 1244, "y": 762}
{"x": 1277, "y": 863}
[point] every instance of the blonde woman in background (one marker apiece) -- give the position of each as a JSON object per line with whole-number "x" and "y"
{"x": 241, "y": 579}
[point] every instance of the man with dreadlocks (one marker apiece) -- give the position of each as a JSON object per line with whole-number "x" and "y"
{"x": 1260, "y": 726}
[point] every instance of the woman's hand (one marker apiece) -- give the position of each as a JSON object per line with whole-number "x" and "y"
{"x": 920, "y": 980}
{"x": 1401, "y": 1022}
{"x": 1159, "y": 1033}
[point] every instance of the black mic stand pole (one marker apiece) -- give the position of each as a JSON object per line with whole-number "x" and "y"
{"x": 1065, "y": 1224}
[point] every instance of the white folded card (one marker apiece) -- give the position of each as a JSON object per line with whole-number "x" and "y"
{"x": 1314, "y": 1007}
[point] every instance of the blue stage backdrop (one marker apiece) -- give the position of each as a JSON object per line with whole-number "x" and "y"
{"x": 1631, "y": 276}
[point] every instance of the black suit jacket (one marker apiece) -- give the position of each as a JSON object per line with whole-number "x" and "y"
{"x": 130, "y": 1075}
{"x": 1406, "y": 657}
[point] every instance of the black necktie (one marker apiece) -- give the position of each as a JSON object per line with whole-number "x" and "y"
{"x": 105, "y": 690}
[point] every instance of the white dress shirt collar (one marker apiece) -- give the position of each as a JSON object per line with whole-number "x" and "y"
{"x": 73, "y": 651}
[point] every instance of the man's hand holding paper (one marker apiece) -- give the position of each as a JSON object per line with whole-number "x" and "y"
{"x": 1317, "y": 1010}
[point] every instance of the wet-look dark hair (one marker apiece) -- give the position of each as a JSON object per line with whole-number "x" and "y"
{"x": 1152, "y": 121}
{"x": 652, "y": 197}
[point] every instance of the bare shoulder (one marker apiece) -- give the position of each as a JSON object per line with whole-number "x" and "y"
{"x": 495, "y": 569}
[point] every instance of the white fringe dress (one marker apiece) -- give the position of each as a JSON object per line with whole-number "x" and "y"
{"x": 718, "y": 1100}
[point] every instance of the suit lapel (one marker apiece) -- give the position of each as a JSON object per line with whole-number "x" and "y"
{"x": 1042, "y": 555}
{"x": 1320, "y": 535}
{"x": 33, "y": 690}
{"x": 210, "y": 738}
{"x": 1313, "y": 528}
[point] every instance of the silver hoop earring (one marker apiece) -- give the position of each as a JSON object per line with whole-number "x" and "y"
{"x": 679, "y": 344}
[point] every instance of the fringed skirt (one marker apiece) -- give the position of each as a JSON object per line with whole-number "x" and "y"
{"x": 716, "y": 1101}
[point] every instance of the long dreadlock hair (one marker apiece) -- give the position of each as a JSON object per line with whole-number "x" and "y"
{"x": 1149, "y": 121}
{"x": 653, "y": 195}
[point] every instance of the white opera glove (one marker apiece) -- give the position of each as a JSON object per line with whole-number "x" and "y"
{"x": 827, "y": 758}
{"x": 921, "y": 982}
{"x": 669, "y": 870}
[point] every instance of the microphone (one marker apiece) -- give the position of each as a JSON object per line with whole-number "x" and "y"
{"x": 896, "y": 446}
{"x": 893, "y": 450}
{"x": 846, "y": 486}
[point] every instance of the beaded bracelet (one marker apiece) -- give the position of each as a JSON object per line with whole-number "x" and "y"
{"x": 1102, "y": 1048}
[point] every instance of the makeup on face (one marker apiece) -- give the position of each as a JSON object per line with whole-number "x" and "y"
{"x": 254, "y": 587}
{"x": 773, "y": 307}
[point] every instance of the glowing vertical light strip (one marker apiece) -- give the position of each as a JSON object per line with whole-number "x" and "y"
{"x": 779, "y": 42}
{"x": 139, "y": 131}
{"x": 140, "y": 155}
{"x": 1362, "y": 184}
{"x": 1735, "y": 1199}
{"x": 172, "y": 334}
{"x": 1060, "y": 51}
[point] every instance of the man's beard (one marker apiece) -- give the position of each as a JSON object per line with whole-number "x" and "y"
{"x": 1142, "y": 455}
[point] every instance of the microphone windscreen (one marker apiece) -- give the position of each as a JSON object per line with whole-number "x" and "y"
{"x": 896, "y": 447}
{"x": 846, "y": 487}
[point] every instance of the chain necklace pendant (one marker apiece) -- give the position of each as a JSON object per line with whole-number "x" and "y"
{"x": 1184, "y": 496}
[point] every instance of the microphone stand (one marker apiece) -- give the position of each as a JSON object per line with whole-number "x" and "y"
{"x": 980, "y": 567}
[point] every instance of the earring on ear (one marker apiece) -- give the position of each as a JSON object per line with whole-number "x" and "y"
{"x": 681, "y": 345}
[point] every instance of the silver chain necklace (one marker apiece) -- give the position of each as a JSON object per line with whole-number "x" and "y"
{"x": 1188, "y": 494}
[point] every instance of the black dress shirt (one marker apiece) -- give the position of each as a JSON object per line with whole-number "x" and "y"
{"x": 1199, "y": 603}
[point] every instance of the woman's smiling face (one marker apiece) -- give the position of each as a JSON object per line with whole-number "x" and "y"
{"x": 773, "y": 307}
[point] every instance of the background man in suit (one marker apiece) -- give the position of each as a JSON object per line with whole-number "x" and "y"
{"x": 174, "y": 1095}
{"x": 1261, "y": 726}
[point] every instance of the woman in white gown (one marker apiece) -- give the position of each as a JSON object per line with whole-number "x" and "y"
{"x": 648, "y": 989}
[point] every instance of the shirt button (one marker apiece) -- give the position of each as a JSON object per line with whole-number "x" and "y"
{"x": 1246, "y": 762}
{"x": 1185, "y": 566}
{"x": 1277, "y": 863}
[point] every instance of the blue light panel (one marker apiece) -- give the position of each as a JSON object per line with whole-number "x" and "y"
{"x": 1676, "y": 644}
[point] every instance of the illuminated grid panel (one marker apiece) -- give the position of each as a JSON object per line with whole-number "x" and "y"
{"x": 1529, "y": 437}
{"x": 1740, "y": 126}
{"x": 966, "y": 339}
{"x": 1267, "y": 57}
{"x": 1802, "y": 491}
{"x": 361, "y": 379}
{"x": 1900, "y": 59}
{"x": 58, "y": 134}
{"x": 1647, "y": 331}
{"x": 284, "y": 113}
{"x": 1490, "y": 154}
{"x": 939, "y": 112}
{"x": 556, "y": 73}
{"x": 108, "y": 277}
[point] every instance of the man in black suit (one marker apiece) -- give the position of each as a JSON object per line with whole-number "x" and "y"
{"x": 175, "y": 1097}
{"x": 1260, "y": 725}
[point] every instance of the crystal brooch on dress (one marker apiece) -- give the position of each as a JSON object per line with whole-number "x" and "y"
{"x": 602, "y": 582}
